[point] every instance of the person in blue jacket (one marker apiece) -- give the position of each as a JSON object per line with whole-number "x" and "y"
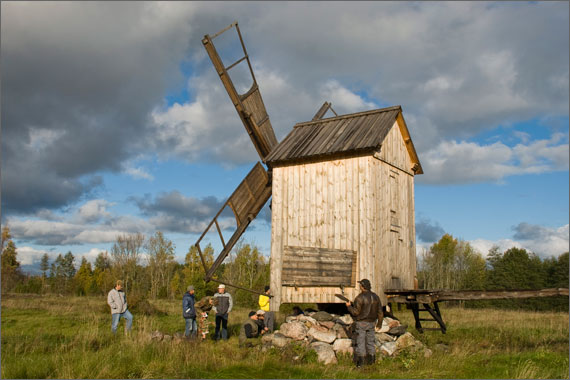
{"x": 189, "y": 313}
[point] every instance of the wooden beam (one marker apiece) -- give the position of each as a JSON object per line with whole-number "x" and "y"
{"x": 430, "y": 296}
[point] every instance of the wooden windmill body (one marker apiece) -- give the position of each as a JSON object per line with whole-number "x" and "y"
{"x": 343, "y": 207}
{"x": 342, "y": 198}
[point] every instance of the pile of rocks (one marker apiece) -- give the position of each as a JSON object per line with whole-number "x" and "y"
{"x": 330, "y": 335}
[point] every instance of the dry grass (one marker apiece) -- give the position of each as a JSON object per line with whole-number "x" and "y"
{"x": 59, "y": 337}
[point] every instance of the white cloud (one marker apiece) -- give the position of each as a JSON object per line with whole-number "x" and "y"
{"x": 344, "y": 100}
{"x": 90, "y": 255}
{"x": 94, "y": 210}
{"x": 30, "y": 256}
{"x": 453, "y": 162}
{"x": 483, "y": 246}
{"x": 94, "y": 235}
{"x": 138, "y": 173}
{"x": 90, "y": 222}
{"x": 543, "y": 241}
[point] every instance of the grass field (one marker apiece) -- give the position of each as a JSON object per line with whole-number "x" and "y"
{"x": 58, "y": 337}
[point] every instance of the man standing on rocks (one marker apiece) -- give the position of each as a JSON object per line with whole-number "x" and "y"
{"x": 189, "y": 313}
{"x": 222, "y": 308}
{"x": 117, "y": 300}
{"x": 367, "y": 313}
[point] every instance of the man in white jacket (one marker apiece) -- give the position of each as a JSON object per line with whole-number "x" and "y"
{"x": 117, "y": 300}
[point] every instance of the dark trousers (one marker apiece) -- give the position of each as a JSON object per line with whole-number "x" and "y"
{"x": 365, "y": 338}
{"x": 269, "y": 320}
{"x": 221, "y": 319}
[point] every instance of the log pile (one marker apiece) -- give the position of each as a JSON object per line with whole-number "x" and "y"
{"x": 331, "y": 335}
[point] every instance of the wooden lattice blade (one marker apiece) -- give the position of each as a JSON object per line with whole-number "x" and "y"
{"x": 246, "y": 202}
{"x": 249, "y": 106}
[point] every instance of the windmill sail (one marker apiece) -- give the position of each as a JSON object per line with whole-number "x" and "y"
{"x": 245, "y": 202}
{"x": 249, "y": 105}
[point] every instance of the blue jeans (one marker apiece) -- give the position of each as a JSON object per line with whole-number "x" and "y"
{"x": 117, "y": 317}
{"x": 221, "y": 319}
{"x": 191, "y": 327}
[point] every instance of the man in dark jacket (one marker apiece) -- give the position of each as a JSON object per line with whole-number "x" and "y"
{"x": 189, "y": 313}
{"x": 367, "y": 313}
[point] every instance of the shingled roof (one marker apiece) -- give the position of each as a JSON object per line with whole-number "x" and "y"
{"x": 344, "y": 135}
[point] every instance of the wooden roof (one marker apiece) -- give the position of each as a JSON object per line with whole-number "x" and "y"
{"x": 345, "y": 135}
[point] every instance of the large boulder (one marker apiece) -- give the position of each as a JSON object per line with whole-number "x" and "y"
{"x": 343, "y": 345}
{"x": 322, "y": 336}
{"x": 407, "y": 340}
{"x": 384, "y": 328}
{"x": 325, "y": 352}
{"x": 346, "y": 319}
{"x": 322, "y": 316}
{"x": 291, "y": 318}
{"x": 391, "y": 322}
{"x": 398, "y": 330}
{"x": 306, "y": 318}
{"x": 383, "y": 338}
{"x": 294, "y": 330}
{"x": 341, "y": 334}
{"x": 327, "y": 324}
{"x": 388, "y": 348}
{"x": 279, "y": 340}
{"x": 267, "y": 339}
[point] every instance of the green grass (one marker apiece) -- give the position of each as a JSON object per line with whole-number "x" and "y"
{"x": 58, "y": 337}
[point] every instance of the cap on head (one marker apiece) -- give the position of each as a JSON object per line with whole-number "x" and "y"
{"x": 190, "y": 288}
{"x": 260, "y": 312}
{"x": 251, "y": 313}
{"x": 266, "y": 287}
{"x": 221, "y": 286}
{"x": 365, "y": 284}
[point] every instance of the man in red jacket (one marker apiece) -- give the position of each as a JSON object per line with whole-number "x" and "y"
{"x": 367, "y": 313}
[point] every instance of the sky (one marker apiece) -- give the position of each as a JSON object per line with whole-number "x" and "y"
{"x": 115, "y": 122}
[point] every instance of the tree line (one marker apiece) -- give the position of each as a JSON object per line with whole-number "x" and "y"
{"x": 454, "y": 264}
{"x": 148, "y": 268}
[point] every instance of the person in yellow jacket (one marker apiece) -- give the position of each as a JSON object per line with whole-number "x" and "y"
{"x": 269, "y": 321}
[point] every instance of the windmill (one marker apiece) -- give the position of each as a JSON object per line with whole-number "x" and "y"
{"x": 342, "y": 188}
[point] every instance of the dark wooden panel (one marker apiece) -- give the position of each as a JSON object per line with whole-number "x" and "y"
{"x": 314, "y": 266}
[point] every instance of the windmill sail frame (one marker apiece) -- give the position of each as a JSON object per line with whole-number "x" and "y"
{"x": 249, "y": 106}
{"x": 245, "y": 202}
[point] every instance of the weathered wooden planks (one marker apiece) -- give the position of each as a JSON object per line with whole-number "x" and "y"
{"x": 347, "y": 134}
{"x": 309, "y": 266}
{"x": 430, "y": 296}
{"x": 362, "y": 203}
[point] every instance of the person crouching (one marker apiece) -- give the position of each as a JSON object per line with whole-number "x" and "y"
{"x": 249, "y": 329}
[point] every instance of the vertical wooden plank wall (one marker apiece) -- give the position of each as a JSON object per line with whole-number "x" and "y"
{"x": 345, "y": 204}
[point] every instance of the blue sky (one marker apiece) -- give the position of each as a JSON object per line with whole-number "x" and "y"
{"x": 114, "y": 121}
